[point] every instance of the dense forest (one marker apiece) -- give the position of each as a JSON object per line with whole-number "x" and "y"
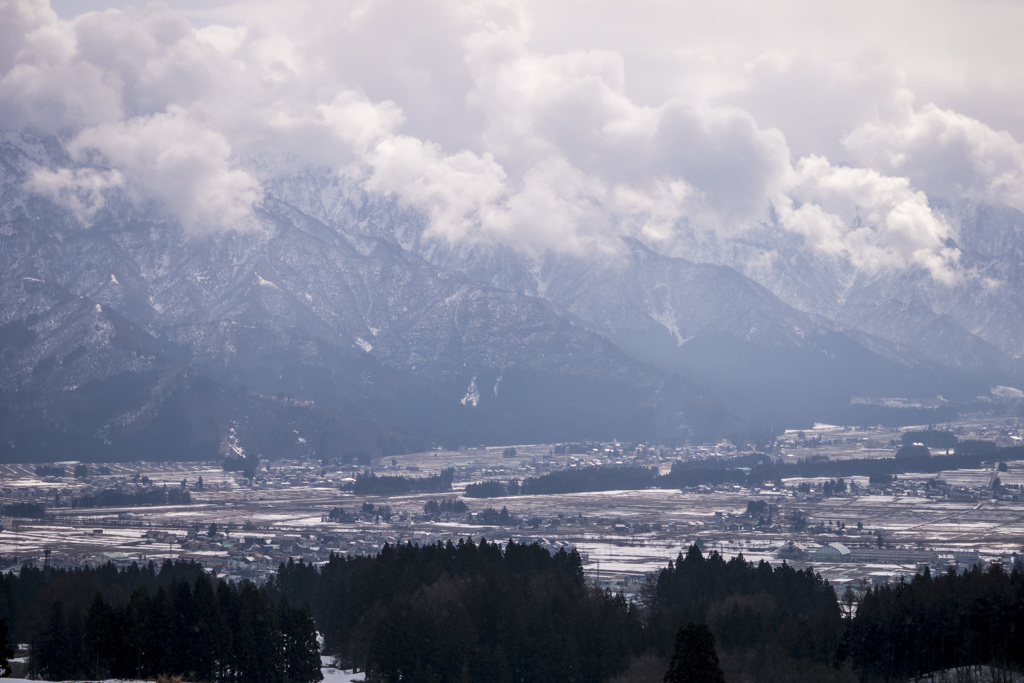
{"x": 482, "y": 611}
{"x": 467, "y": 612}
{"x": 141, "y": 622}
{"x": 933, "y": 623}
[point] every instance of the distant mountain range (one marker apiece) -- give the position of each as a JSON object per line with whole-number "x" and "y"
{"x": 340, "y": 331}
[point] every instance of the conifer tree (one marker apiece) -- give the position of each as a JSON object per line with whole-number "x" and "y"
{"x": 695, "y": 659}
{"x": 301, "y": 659}
{"x": 6, "y": 651}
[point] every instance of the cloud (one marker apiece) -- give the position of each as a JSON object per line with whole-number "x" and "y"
{"x": 652, "y": 213}
{"x": 81, "y": 190}
{"x": 875, "y": 222}
{"x": 103, "y": 66}
{"x": 134, "y": 94}
{"x": 358, "y": 122}
{"x": 21, "y": 22}
{"x": 815, "y": 103}
{"x": 574, "y": 106}
{"x": 543, "y": 126}
{"x": 458, "y": 192}
{"x": 57, "y": 99}
{"x": 469, "y": 198}
{"x": 174, "y": 159}
{"x": 945, "y": 153}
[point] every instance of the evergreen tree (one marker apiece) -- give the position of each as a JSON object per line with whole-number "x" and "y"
{"x": 694, "y": 659}
{"x": 132, "y": 659}
{"x": 58, "y": 651}
{"x": 101, "y": 636}
{"x": 6, "y": 651}
{"x": 301, "y": 658}
{"x": 210, "y": 632}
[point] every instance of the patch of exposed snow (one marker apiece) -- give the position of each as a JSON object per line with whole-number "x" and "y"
{"x": 1007, "y": 392}
{"x": 472, "y": 397}
{"x": 330, "y": 674}
{"x": 363, "y": 344}
{"x": 669, "y": 324}
{"x": 265, "y": 283}
{"x": 540, "y": 284}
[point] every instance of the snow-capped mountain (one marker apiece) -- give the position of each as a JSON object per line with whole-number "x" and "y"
{"x": 300, "y": 314}
{"x": 779, "y": 344}
{"x": 975, "y": 324}
{"x": 337, "y": 327}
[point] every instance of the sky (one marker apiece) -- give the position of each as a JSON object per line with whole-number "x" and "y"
{"x": 546, "y": 126}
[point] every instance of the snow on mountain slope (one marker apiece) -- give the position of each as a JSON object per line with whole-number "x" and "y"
{"x": 287, "y": 310}
{"x": 704, "y": 319}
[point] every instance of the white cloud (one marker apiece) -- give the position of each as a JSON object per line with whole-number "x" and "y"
{"x": 558, "y": 207}
{"x": 458, "y": 192}
{"x": 59, "y": 98}
{"x": 876, "y": 222}
{"x": 653, "y": 212}
{"x": 359, "y": 122}
{"x": 540, "y": 125}
{"x": 21, "y": 21}
{"x": 81, "y": 190}
{"x": 945, "y": 153}
{"x": 468, "y": 197}
{"x": 174, "y": 159}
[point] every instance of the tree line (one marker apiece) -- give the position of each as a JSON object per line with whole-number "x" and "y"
{"x": 478, "y": 611}
{"x": 910, "y": 628}
{"x": 771, "y": 623}
{"x": 466, "y": 612}
{"x": 141, "y": 622}
{"x": 105, "y": 498}
{"x": 369, "y": 484}
{"x": 945, "y": 439}
{"x": 746, "y": 470}
{"x": 145, "y": 497}
{"x": 446, "y": 506}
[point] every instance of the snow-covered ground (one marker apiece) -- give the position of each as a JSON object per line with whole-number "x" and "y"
{"x": 331, "y": 675}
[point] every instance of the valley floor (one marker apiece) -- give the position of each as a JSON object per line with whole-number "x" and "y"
{"x": 622, "y": 535}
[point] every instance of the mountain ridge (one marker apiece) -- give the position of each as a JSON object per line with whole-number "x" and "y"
{"x": 339, "y": 299}
{"x": 359, "y": 326}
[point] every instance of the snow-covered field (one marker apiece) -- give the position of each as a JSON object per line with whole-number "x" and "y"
{"x": 622, "y": 534}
